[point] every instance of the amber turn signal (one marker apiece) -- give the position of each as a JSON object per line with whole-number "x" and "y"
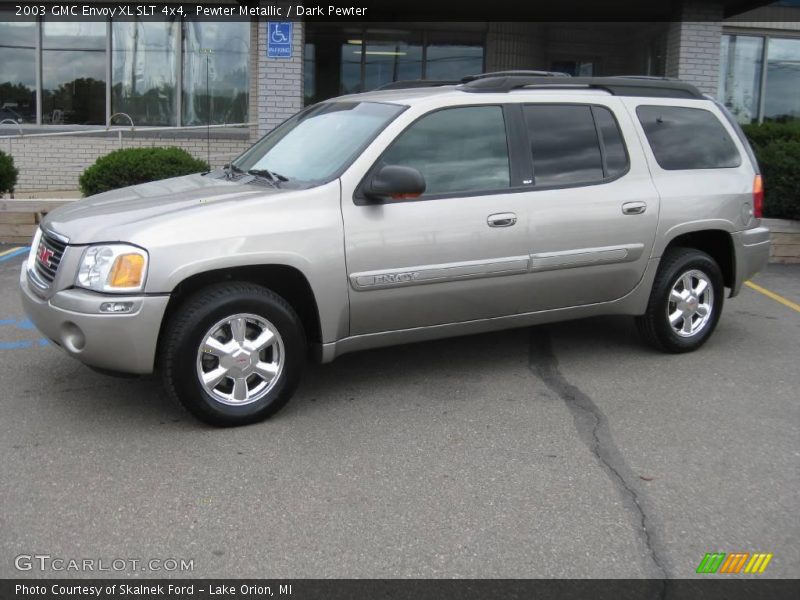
{"x": 127, "y": 271}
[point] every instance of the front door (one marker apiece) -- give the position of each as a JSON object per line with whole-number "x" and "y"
{"x": 457, "y": 253}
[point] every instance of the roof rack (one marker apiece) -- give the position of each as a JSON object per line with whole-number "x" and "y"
{"x": 618, "y": 86}
{"x": 517, "y": 73}
{"x": 417, "y": 83}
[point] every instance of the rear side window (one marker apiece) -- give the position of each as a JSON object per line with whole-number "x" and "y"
{"x": 687, "y": 138}
{"x": 574, "y": 144}
{"x": 456, "y": 150}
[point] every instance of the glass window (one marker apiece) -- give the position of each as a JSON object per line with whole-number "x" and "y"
{"x": 319, "y": 142}
{"x": 388, "y": 60}
{"x": 740, "y": 75}
{"x": 216, "y": 65}
{"x": 74, "y": 72}
{"x": 144, "y": 71}
{"x": 782, "y": 100}
{"x": 451, "y": 56}
{"x": 17, "y": 70}
{"x": 687, "y": 138}
{"x": 564, "y": 144}
{"x": 616, "y": 155}
{"x": 456, "y": 150}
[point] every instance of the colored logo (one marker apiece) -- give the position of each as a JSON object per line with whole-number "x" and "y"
{"x": 735, "y": 562}
{"x": 45, "y": 254}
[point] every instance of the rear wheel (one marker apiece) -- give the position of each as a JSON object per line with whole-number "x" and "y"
{"x": 233, "y": 354}
{"x": 685, "y": 302}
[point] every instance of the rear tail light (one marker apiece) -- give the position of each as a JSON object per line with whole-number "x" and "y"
{"x": 758, "y": 197}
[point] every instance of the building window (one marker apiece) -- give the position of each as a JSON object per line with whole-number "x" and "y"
{"x": 215, "y": 72}
{"x": 347, "y": 60}
{"x": 18, "y": 71}
{"x": 740, "y": 77}
{"x": 144, "y": 71}
{"x": 783, "y": 80}
{"x": 74, "y": 73}
{"x": 759, "y": 77}
{"x": 158, "y": 73}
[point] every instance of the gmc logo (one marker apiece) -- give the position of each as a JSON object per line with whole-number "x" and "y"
{"x": 44, "y": 254}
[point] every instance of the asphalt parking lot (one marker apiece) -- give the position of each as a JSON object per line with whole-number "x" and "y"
{"x": 562, "y": 451}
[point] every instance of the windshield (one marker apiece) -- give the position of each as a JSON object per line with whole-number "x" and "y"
{"x": 320, "y": 142}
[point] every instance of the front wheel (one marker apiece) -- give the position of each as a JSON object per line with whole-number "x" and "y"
{"x": 233, "y": 354}
{"x": 685, "y": 302}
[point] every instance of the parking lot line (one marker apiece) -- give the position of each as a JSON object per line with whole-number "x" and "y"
{"x": 773, "y": 295}
{"x": 8, "y": 254}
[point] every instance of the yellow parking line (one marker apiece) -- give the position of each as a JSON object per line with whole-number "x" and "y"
{"x": 773, "y": 295}
{"x": 10, "y": 251}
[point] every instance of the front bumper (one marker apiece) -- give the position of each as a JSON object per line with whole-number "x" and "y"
{"x": 751, "y": 248}
{"x": 72, "y": 320}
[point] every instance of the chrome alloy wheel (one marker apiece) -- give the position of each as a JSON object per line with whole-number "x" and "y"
{"x": 691, "y": 303}
{"x": 240, "y": 360}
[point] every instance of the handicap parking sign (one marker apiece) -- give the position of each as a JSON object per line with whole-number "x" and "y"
{"x": 279, "y": 39}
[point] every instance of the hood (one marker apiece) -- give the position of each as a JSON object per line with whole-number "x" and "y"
{"x": 113, "y": 216}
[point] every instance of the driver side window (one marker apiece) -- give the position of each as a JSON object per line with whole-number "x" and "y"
{"x": 457, "y": 150}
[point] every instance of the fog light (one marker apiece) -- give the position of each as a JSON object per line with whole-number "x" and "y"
{"x": 116, "y": 307}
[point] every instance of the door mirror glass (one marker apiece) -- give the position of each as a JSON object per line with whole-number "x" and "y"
{"x": 395, "y": 182}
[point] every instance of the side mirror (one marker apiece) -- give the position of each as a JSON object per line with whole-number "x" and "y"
{"x": 394, "y": 181}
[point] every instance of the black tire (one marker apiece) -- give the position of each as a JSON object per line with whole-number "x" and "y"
{"x": 186, "y": 331}
{"x": 654, "y": 326}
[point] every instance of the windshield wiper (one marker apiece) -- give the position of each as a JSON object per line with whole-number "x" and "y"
{"x": 276, "y": 178}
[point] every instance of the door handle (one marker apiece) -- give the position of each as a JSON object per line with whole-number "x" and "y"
{"x": 634, "y": 208}
{"x": 501, "y": 220}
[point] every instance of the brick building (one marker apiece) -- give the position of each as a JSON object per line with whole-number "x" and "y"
{"x": 172, "y": 78}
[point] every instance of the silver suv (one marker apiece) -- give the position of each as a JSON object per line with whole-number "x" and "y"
{"x": 403, "y": 215}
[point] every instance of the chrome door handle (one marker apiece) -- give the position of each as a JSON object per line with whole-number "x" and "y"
{"x": 634, "y": 208}
{"x": 501, "y": 220}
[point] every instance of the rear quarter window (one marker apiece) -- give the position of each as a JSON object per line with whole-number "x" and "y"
{"x": 687, "y": 138}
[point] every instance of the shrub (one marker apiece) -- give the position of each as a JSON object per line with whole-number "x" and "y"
{"x": 130, "y": 166}
{"x": 777, "y": 148}
{"x": 8, "y": 173}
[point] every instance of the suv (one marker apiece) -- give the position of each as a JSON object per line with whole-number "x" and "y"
{"x": 403, "y": 215}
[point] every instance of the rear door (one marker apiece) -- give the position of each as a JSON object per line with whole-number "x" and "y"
{"x": 593, "y": 207}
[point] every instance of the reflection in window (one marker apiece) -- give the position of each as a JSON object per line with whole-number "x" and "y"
{"x": 73, "y": 72}
{"x": 17, "y": 70}
{"x": 740, "y": 75}
{"x": 388, "y": 61}
{"x": 687, "y": 138}
{"x": 456, "y": 150}
{"x": 144, "y": 71}
{"x": 564, "y": 144}
{"x": 616, "y": 155}
{"x": 215, "y": 72}
{"x": 783, "y": 79}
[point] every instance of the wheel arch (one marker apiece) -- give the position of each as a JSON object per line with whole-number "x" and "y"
{"x": 717, "y": 243}
{"x": 287, "y": 281}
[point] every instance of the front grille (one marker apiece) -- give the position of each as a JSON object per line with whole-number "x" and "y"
{"x": 48, "y": 257}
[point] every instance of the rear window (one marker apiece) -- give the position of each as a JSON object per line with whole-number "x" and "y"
{"x": 687, "y": 138}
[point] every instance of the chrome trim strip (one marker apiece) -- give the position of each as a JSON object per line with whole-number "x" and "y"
{"x": 510, "y": 265}
{"x": 60, "y": 238}
{"x": 391, "y": 278}
{"x": 585, "y": 257}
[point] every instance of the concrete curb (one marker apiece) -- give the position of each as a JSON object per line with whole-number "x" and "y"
{"x": 785, "y": 238}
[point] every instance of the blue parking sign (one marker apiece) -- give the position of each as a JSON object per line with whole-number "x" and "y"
{"x": 279, "y": 39}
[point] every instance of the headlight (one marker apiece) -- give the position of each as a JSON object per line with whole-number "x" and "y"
{"x": 113, "y": 268}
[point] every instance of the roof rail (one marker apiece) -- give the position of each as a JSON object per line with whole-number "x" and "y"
{"x": 516, "y": 73}
{"x": 618, "y": 86}
{"x": 416, "y": 83}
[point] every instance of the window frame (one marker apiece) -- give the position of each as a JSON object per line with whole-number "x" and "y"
{"x": 714, "y": 116}
{"x": 532, "y": 187}
{"x": 360, "y": 199}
